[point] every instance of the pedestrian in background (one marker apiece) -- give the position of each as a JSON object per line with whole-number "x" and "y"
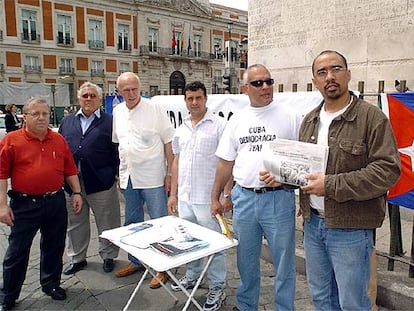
{"x": 144, "y": 133}
{"x": 38, "y": 161}
{"x": 11, "y": 120}
{"x": 258, "y": 210}
{"x": 89, "y": 135}
{"x": 343, "y": 205}
{"x": 194, "y": 144}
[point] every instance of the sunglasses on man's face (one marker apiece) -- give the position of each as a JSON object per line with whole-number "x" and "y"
{"x": 86, "y": 95}
{"x": 259, "y": 83}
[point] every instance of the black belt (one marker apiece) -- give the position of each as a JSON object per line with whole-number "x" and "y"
{"x": 264, "y": 189}
{"x": 20, "y": 195}
{"x": 318, "y": 213}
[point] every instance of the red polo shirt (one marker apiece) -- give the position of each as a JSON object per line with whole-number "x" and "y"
{"x": 34, "y": 166}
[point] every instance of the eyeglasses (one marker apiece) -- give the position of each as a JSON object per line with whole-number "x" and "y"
{"x": 259, "y": 83}
{"x": 91, "y": 95}
{"x": 37, "y": 115}
{"x": 322, "y": 73}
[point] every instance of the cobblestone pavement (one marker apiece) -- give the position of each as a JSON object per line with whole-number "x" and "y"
{"x": 93, "y": 289}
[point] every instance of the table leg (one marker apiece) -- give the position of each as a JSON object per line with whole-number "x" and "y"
{"x": 191, "y": 295}
{"x": 136, "y": 290}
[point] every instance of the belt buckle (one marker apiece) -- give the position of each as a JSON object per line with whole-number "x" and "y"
{"x": 49, "y": 194}
{"x": 259, "y": 190}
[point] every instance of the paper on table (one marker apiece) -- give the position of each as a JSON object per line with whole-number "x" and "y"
{"x": 289, "y": 160}
{"x": 173, "y": 247}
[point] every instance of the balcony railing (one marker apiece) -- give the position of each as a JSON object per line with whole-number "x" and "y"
{"x": 30, "y": 37}
{"x": 1, "y": 35}
{"x": 121, "y": 71}
{"x": 64, "y": 41}
{"x": 66, "y": 70}
{"x": 97, "y": 72}
{"x": 145, "y": 50}
{"x": 96, "y": 44}
{"x": 124, "y": 48}
{"x": 32, "y": 69}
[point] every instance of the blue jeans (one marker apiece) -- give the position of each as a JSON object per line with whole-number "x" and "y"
{"x": 337, "y": 266}
{"x": 156, "y": 200}
{"x": 200, "y": 214}
{"x": 271, "y": 214}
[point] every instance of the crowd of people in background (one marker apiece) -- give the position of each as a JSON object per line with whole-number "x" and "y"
{"x": 199, "y": 170}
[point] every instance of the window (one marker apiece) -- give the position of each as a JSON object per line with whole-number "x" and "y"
{"x": 64, "y": 27}
{"x": 29, "y": 26}
{"x": 218, "y": 45}
{"x": 216, "y": 81}
{"x": 179, "y": 46}
{"x": 95, "y": 34}
{"x": 153, "y": 39}
{"x": 66, "y": 65}
{"x": 97, "y": 67}
{"x": 197, "y": 45}
{"x": 123, "y": 67}
{"x": 31, "y": 64}
{"x": 123, "y": 38}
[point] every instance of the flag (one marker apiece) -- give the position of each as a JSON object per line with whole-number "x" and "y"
{"x": 174, "y": 41}
{"x": 189, "y": 41}
{"x": 182, "y": 42}
{"x": 399, "y": 107}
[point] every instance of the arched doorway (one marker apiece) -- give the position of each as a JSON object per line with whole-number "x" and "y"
{"x": 177, "y": 83}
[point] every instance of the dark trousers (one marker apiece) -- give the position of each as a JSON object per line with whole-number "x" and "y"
{"x": 50, "y": 216}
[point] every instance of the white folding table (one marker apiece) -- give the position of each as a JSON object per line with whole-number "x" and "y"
{"x": 137, "y": 243}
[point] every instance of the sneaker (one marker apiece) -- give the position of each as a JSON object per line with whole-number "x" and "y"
{"x": 214, "y": 299}
{"x": 185, "y": 282}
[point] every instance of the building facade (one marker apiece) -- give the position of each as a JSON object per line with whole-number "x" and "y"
{"x": 167, "y": 43}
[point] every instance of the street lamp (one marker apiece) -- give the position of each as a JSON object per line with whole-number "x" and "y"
{"x": 53, "y": 90}
{"x": 228, "y": 78}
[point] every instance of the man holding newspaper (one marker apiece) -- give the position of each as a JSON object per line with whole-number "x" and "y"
{"x": 258, "y": 210}
{"x": 343, "y": 205}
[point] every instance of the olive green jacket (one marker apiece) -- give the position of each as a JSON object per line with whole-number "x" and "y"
{"x": 363, "y": 164}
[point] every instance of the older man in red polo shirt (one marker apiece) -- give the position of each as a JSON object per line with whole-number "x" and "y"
{"x": 38, "y": 161}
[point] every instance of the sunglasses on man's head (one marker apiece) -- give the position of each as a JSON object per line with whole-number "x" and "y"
{"x": 86, "y": 95}
{"x": 259, "y": 83}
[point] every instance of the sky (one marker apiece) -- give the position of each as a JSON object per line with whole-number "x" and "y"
{"x": 238, "y": 4}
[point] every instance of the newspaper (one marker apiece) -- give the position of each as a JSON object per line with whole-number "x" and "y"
{"x": 290, "y": 161}
{"x": 173, "y": 247}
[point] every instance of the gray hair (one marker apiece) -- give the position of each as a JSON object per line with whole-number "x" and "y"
{"x": 88, "y": 84}
{"x": 34, "y": 100}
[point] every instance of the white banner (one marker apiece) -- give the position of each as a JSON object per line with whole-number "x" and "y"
{"x": 226, "y": 105}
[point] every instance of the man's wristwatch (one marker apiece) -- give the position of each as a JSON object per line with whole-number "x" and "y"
{"x": 78, "y": 193}
{"x": 227, "y": 196}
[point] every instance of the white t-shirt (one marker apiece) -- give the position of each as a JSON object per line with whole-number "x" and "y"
{"x": 246, "y": 133}
{"x": 141, "y": 133}
{"x": 197, "y": 163}
{"x": 317, "y": 202}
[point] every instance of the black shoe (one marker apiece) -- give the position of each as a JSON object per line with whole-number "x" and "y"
{"x": 57, "y": 293}
{"x": 108, "y": 265}
{"x": 6, "y": 306}
{"x": 74, "y": 267}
